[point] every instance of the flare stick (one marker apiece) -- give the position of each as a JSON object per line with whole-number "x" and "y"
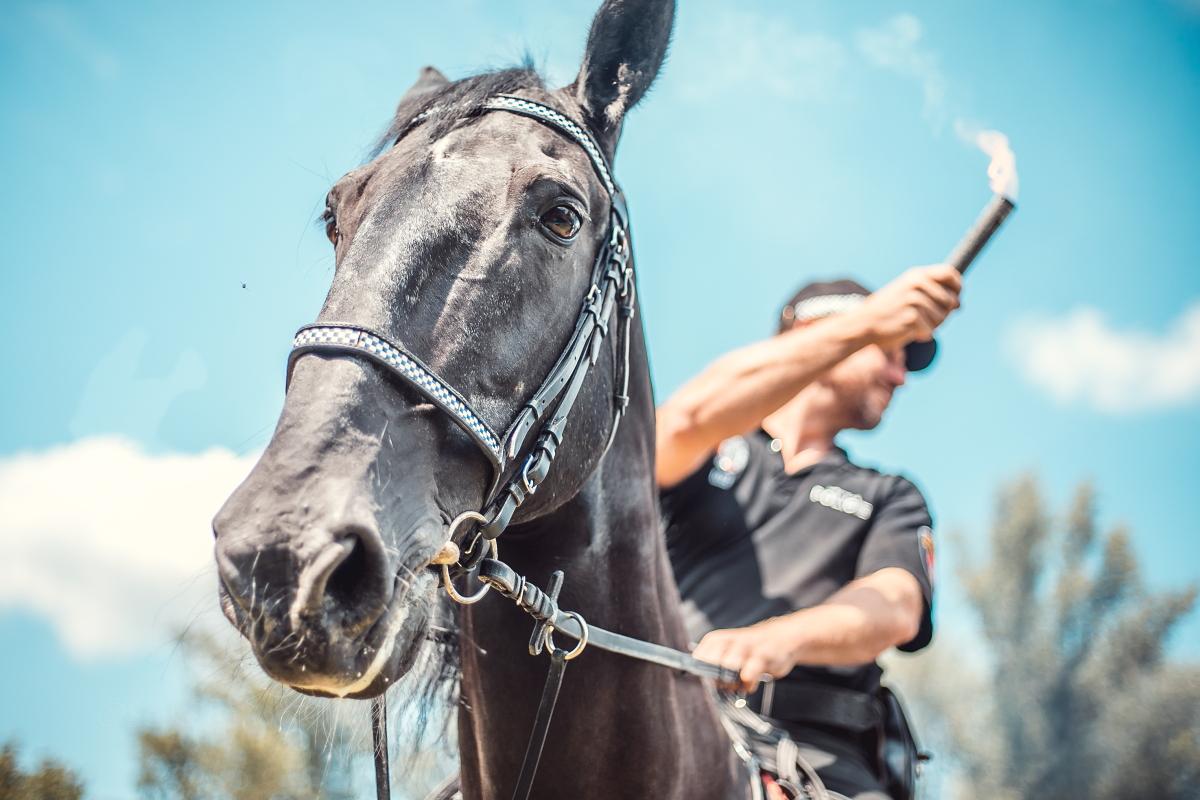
{"x": 989, "y": 222}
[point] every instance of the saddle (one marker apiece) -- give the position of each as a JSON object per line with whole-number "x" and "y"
{"x": 770, "y": 754}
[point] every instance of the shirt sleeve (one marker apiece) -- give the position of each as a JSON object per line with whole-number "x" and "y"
{"x": 674, "y": 500}
{"x": 901, "y": 535}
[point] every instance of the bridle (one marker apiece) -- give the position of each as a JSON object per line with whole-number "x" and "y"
{"x": 536, "y": 433}
{"x": 537, "y": 430}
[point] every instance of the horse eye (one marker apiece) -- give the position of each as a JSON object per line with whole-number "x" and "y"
{"x": 331, "y": 228}
{"x": 562, "y": 221}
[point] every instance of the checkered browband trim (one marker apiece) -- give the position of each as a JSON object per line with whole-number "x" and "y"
{"x": 406, "y": 366}
{"x": 555, "y": 119}
{"x": 560, "y": 122}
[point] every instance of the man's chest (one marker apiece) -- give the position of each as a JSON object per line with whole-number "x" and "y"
{"x": 824, "y": 504}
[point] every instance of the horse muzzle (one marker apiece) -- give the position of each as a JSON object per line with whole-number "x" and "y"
{"x": 326, "y": 610}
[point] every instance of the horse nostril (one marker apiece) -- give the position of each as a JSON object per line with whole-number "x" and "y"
{"x": 348, "y": 578}
{"x": 351, "y": 580}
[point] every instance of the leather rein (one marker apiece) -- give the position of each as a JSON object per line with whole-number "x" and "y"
{"x": 536, "y": 433}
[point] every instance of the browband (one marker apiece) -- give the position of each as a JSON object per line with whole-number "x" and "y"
{"x": 564, "y": 124}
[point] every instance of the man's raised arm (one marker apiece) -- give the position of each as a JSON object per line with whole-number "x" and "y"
{"x": 734, "y": 393}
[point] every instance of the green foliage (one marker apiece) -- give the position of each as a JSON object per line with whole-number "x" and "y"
{"x": 253, "y": 739}
{"x": 50, "y": 781}
{"x": 1072, "y": 696}
{"x": 263, "y": 742}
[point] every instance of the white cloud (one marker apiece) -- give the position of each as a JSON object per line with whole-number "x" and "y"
{"x": 741, "y": 52}
{"x": 113, "y": 546}
{"x": 896, "y": 46}
{"x": 1080, "y": 358}
{"x": 737, "y": 51}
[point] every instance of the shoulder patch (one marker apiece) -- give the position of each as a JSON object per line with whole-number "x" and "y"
{"x": 733, "y": 455}
{"x": 925, "y": 542}
{"x": 839, "y": 499}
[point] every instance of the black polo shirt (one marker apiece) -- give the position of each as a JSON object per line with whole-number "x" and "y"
{"x": 748, "y": 541}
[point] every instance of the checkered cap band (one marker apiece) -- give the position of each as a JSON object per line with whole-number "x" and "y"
{"x": 562, "y": 123}
{"x": 408, "y": 368}
{"x": 825, "y": 305}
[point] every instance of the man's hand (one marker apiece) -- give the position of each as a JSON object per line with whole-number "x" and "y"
{"x": 913, "y": 305}
{"x": 766, "y": 648}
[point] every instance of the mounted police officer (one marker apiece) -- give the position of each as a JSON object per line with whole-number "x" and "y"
{"x": 793, "y": 561}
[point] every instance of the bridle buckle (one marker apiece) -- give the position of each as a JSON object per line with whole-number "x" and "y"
{"x": 526, "y": 479}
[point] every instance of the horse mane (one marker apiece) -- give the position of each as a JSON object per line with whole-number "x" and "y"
{"x": 442, "y": 108}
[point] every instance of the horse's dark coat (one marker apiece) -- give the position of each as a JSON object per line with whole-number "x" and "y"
{"x": 325, "y": 544}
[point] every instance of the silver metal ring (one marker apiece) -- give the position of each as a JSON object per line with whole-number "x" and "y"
{"x": 461, "y": 519}
{"x": 466, "y": 600}
{"x": 583, "y": 636}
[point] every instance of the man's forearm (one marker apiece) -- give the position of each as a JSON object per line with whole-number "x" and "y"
{"x": 857, "y": 623}
{"x": 837, "y": 634}
{"x": 852, "y": 627}
{"x": 741, "y": 388}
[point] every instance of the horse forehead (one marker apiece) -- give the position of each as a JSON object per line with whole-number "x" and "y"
{"x": 511, "y": 142}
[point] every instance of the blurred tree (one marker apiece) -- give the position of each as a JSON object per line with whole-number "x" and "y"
{"x": 264, "y": 742}
{"x": 253, "y": 739}
{"x": 1073, "y": 696}
{"x": 50, "y": 781}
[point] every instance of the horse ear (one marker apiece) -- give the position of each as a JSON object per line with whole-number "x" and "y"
{"x": 430, "y": 80}
{"x": 625, "y": 49}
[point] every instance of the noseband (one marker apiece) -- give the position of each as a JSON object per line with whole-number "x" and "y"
{"x": 535, "y": 432}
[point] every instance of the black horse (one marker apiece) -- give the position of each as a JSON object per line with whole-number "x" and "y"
{"x": 472, "y": 241}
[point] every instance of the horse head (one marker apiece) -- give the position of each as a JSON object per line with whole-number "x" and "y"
{"x": 469, "y": 241}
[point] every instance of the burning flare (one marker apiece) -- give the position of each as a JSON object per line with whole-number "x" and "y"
{"x": 1002, "y": 177}
{"x": 1002, "y": 171}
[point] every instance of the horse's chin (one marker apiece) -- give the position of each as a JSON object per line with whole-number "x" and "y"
{"x": 312, "y": 661}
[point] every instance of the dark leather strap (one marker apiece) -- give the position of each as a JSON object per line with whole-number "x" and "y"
{"x": 591, "y": 326}
{"x": 541, "y": 724}
{"x": 820, "y": 704}
{"x": 543, "y": 608}
{"x": 383, "y": 777}
{"x": 611, "y": 281}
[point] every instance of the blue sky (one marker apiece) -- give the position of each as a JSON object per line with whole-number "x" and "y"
{"x": 158, "y": 157}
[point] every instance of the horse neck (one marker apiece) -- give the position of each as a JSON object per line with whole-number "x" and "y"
{"x": 622, "y": 728}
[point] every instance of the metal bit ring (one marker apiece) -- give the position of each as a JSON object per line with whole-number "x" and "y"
{"x": 455, "y": 595}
